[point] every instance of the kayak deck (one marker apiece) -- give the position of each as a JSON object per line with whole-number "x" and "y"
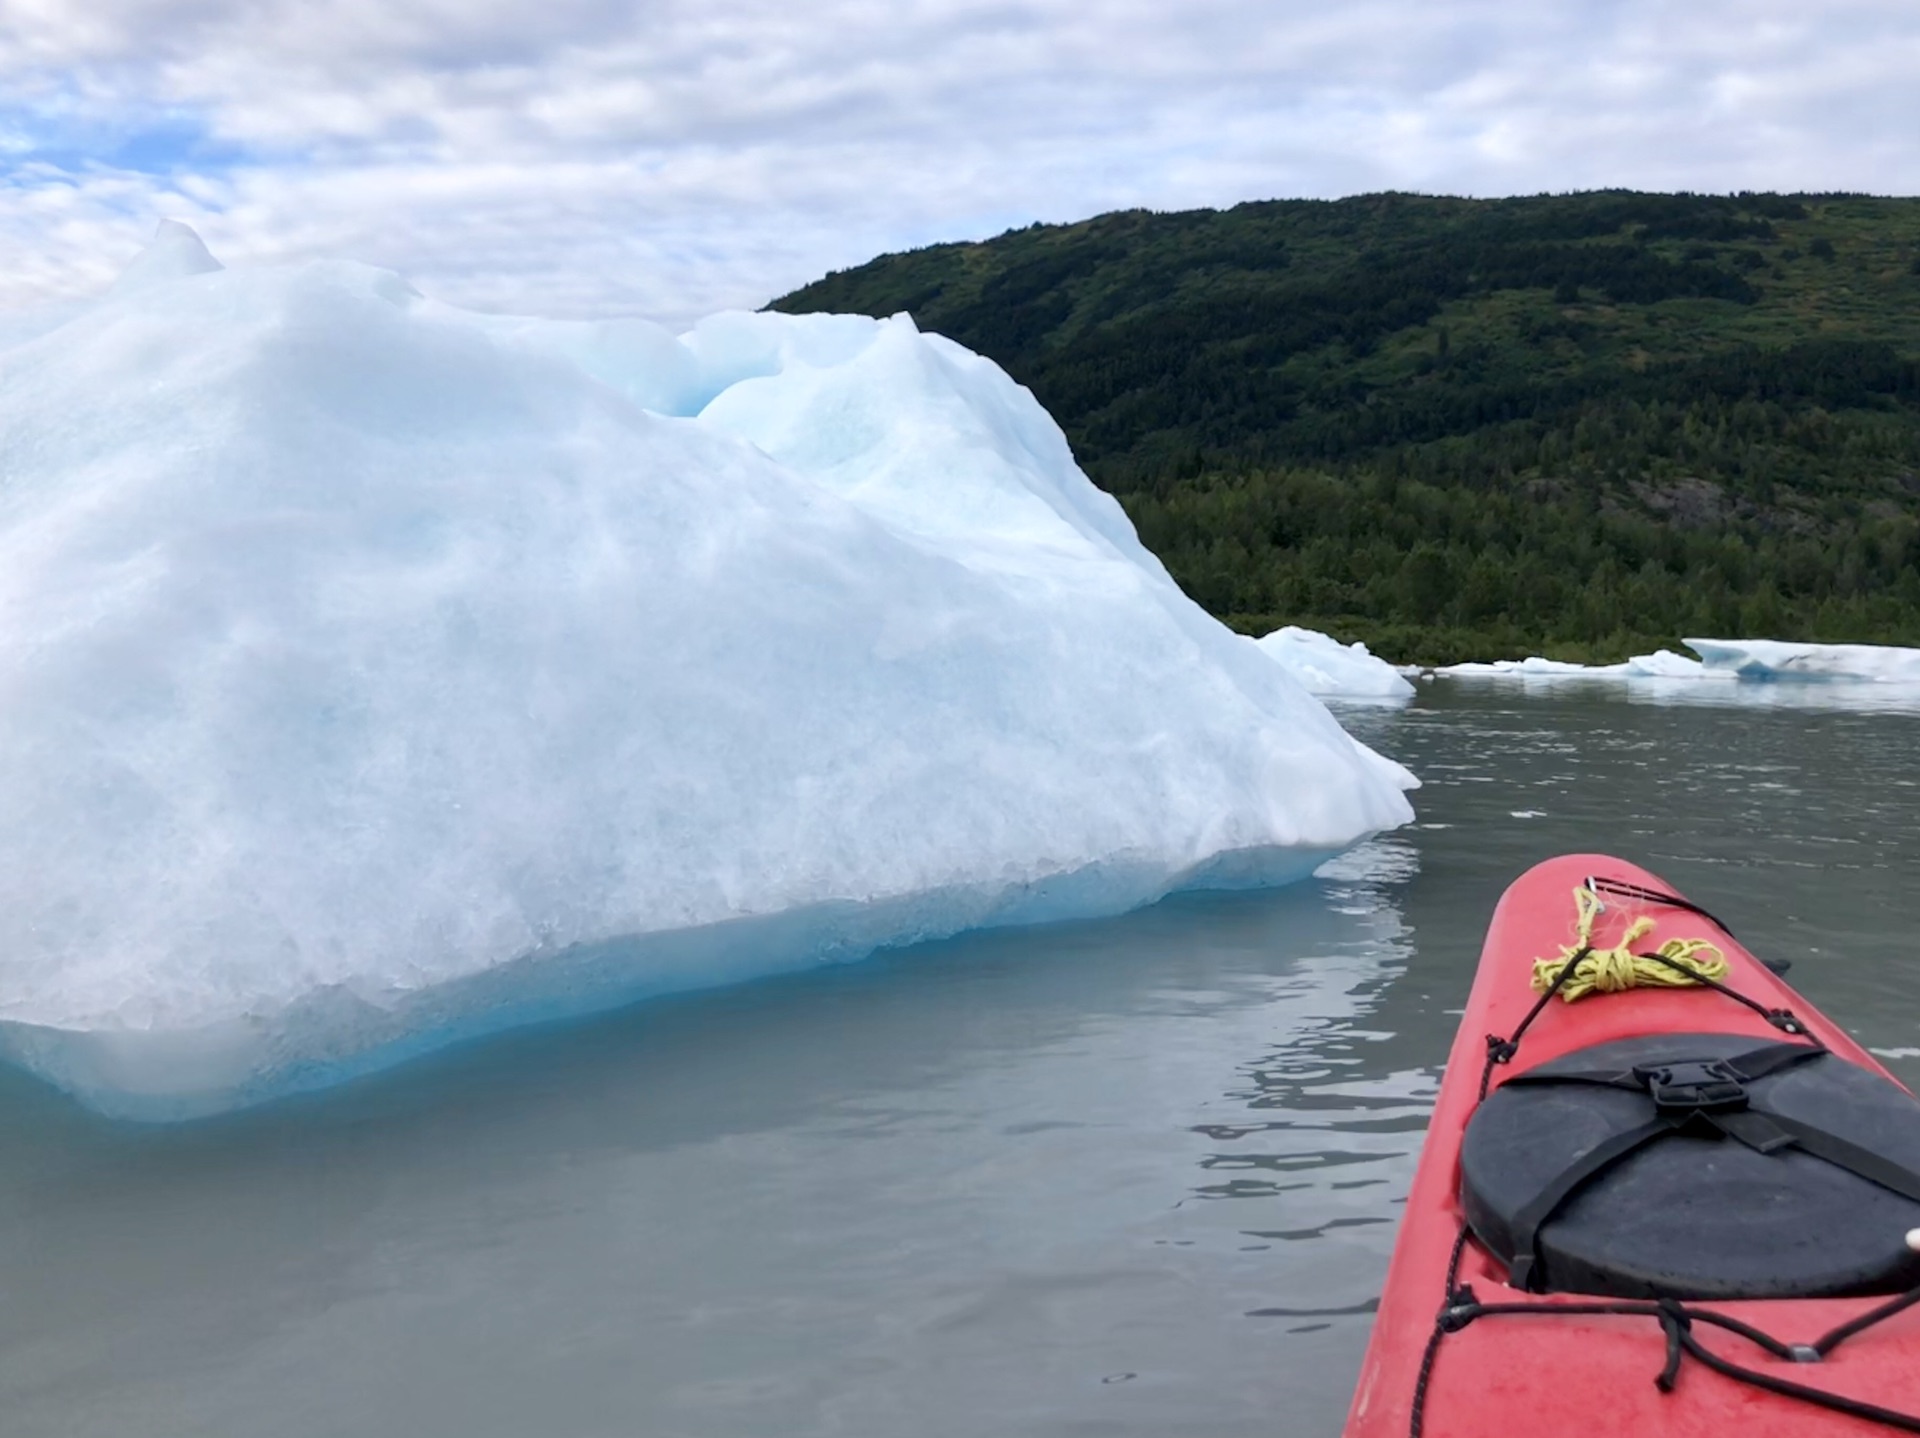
{"x": 1550, "y": 1370}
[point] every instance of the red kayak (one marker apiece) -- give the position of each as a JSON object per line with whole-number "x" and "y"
{"x": 1660, "y": 1195}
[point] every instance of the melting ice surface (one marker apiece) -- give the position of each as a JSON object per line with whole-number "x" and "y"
{"x": 1325, "y": 666}
{"x": 1778, "y": 659}
{"x": 374, "y": 674}
{"x": 1725, "y": 659}
{"x": 1661, "y": 664}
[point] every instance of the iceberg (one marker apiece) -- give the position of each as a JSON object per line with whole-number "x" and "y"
{"x": 1326, "y": 667}
{"x": 1533, "y": 667}
{"x": 1723, "y": 660}
{"x": 1661, "y": 664}
{"x": 1665, "y": 664}
{"x": 375, "y": 675}
{"x": 1770, "y": 659}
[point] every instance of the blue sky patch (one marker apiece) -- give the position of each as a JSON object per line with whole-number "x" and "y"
{"x": 163, "y": 145}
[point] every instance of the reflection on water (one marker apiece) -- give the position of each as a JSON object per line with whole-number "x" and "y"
{"x": 1136, "y": 1176}
{"x": 1016, "y": 1183}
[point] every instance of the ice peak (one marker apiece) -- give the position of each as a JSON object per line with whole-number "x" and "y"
{"x": 176, "y": 252}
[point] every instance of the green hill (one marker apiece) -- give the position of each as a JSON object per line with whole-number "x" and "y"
{"x": 1577, "y": 424}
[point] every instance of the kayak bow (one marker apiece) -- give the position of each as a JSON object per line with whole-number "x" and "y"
{"x": 1660, "y": 1194}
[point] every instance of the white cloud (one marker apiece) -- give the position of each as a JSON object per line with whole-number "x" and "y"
{"x": 668, "y": 156}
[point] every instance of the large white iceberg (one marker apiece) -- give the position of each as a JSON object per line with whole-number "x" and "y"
{"x": 1326, "y": 667}
{"x": 374, "y": 674}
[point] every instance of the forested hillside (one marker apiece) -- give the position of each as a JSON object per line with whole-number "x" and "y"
{"x": 1576, "y": 424}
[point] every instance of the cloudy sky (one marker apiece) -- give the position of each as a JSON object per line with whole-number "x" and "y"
{"x": 671, "y": 157}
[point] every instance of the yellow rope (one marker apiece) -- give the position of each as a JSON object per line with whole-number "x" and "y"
{"x": 1608, "y": 971}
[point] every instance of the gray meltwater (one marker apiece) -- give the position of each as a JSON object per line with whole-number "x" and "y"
{"x": 1130, "y": 1177}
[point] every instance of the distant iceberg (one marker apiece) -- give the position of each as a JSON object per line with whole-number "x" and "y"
{"x": 1725, "y": 660}
{"x": 1326, "y": 667}
{"x": 374, "y": 674}
{"x": 1509, "y": 668}
{"x": 1661, "y": 664}
{"x": 1774, "y": 659}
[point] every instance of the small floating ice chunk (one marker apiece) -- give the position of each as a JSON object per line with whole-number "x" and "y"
{"x": 1531, "y": 668}
{"x": 1665, "y": 664}
{"x": 1325, "y": 666}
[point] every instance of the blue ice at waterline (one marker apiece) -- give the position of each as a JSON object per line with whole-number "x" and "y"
{"x": 375, "y": 675}
{"x": 329, "y": 1036}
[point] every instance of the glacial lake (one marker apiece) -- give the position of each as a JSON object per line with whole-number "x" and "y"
{"x": 1138, "y": 1176}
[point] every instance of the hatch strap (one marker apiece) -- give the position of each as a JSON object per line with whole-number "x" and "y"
{"x": 1861, "y": 1162}
{"x": 1741, "y": 1069}
{"x": 1700, "y": 1096}
{"x": 1595, "y": 1161}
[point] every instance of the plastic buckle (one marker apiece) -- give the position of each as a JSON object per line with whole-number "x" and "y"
{"x": 1693, "y": 1086}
